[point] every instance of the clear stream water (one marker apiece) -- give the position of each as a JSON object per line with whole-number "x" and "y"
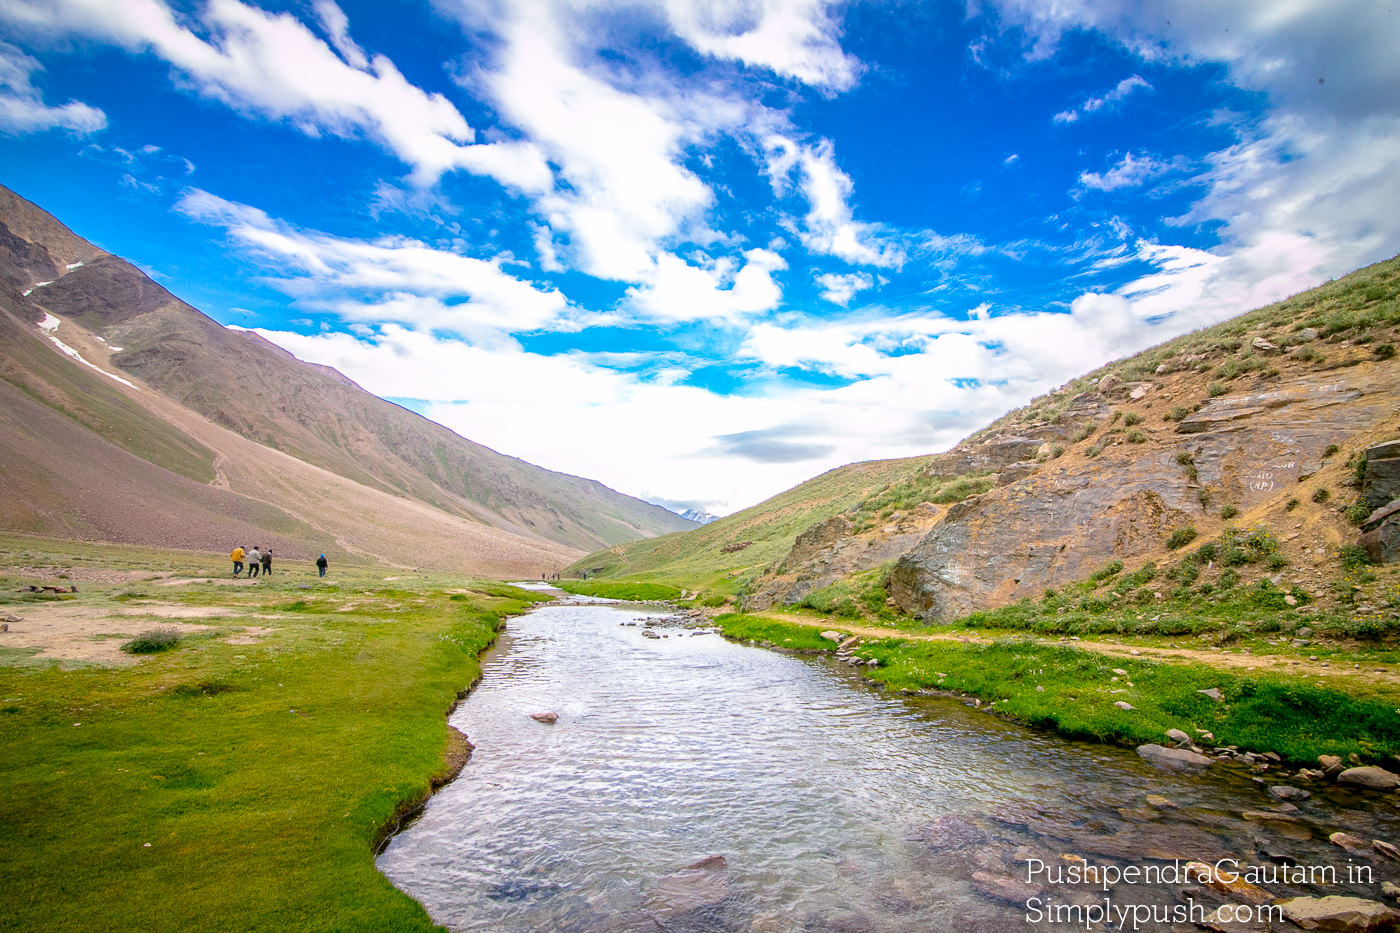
{"x": 836, "y": 806}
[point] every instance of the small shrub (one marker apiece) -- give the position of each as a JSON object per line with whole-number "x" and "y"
{"x": 1358, "y": 512}
{"x": 1131, "y": 418}
{"x": 1229, "y": 578}
{"x": 1136, "y": 437}
{"x": 1056, "y": 451}
{"x": 1216, "y": 389}
{"x": 1290, "y": 505}
{"x": 1107, "y": 571}
{"x": 1331, "y": 449}
{"x": 1185, "y": 457}
{"x": 1307, "y": 354}
{"x": 1093, "y": 451}
{"x": 1353, "y": 557}
{"x": 1203, "y": 496}
{"x": 1084, "y": 432}
{"x": 1385, "y": 351}
{"x": 1181, "y": 537}
{"x": 1321, "y": 495}
{"x": 1178, "y": 413}
{"x": 1228, "y": 511}
{"x": 153, "y": 641}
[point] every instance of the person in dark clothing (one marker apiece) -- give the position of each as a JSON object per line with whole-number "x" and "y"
{"x": 267, "y": 562}
{"x": 321, "y": 564}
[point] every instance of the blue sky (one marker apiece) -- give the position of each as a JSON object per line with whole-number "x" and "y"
{"x": 702, "y": 251}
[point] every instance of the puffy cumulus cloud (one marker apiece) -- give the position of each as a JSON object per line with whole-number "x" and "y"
{"x": 840, "y": 289}
{"x": 795, "y": 38}
{"x": 1120, "y": 92}
{"x": 678, "y": 291}
{"x": 22, "y": 107}
{"x": 1305, "y": 193}
{"x": 273, "y": 65}
{"x": 392, "y": 278}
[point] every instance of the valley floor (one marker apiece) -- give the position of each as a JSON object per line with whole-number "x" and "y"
{"x": 242, "y": 779}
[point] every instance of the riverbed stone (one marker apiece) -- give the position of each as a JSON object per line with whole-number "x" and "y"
{"x": 951, "y": 832}
{"x": 1353, "y": 845}
{"x": 1173, "y": 759}
{"x": 548, "y": 719}
{"x": 1387, "y": 849}
{"x": 1008, "y": 890}
{"x": 829, "y": 635}
{"x": 1340, "y": 914}
{"x": 1331, "y": 765}
{"x": 1179, "y": 739}
{"x": 1369, "y": 778}
{"x": 1285, "y": 792}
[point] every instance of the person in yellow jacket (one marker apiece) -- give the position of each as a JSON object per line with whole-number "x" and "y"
{"x": 237, "y": 556}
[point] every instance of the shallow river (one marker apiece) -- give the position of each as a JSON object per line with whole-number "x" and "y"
{"x": 835, "y": 807}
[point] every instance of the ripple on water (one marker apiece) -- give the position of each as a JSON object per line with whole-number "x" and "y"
{"x": 836, "y": 807}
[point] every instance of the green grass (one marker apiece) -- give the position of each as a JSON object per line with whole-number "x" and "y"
{"x": 235, "y": 786}
{"x": 621, "y": 589}
{"x": 1072, "y": 691}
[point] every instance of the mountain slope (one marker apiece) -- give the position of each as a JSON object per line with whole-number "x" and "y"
{"x": 247, "y": 385}
{"x": 1251, "y": 429}
{"x": 726, "y": 555}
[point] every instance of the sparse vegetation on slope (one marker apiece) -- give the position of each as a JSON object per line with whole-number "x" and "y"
{"x": 723, "y": 557}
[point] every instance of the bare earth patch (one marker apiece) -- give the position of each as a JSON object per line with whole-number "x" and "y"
{"x": 249, "y": 635}
{"x": 80, "y": 633}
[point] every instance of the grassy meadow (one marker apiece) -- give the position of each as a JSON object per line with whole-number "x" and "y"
{"x": 242, "y": 778}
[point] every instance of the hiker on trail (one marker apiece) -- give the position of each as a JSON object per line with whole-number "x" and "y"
{"x": 237, "y": 557}
{"x": 254, "y": 561}
{"x": 267, "y": 562}
{"x": 321, "y": 564}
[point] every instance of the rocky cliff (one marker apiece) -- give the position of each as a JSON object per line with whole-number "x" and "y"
{"x": 1264, "y": 420}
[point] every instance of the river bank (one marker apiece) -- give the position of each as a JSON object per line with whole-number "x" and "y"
{"x": 1123, "y": 697}
{"x": 243, "y": 779}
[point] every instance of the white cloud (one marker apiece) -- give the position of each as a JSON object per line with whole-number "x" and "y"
{"x": 274, "y": 66}
{"x": 392, "y": 278}
{"x": 830, "y": 228}
{"x": 679, "y": 291}
{"x": 1129, "y": 172}
{"x": 1306, "y": 192}
{"x": 794, "y": 38}
{"x": 840, "y": 289}
{"x": 1119, "y": 93}
{"x": 22, "y": 107}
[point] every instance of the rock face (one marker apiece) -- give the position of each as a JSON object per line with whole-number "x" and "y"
{"x": 1381, "y": 533}
{"x": 1063, "y": 524}
{"x": 1381, "y": 483}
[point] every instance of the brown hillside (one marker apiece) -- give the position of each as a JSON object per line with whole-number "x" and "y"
{"x": 240, "y": 381}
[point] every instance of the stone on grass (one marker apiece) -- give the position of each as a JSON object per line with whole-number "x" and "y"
{"x": 1173, "y": 759}
{"x": 1369, "y": 778}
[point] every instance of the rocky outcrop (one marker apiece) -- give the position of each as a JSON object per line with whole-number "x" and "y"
{"x": 1381, "y": 482}
{"x": 1380, "y": 536}
{"x": 829, "y": 551}
{"x": 1064, "y": 523}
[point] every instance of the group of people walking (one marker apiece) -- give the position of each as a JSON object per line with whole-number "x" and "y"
{"x": 257, "y": 558}
{"x": 260, "y": 560}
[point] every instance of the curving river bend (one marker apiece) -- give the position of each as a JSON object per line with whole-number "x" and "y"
{"x": 835, "y": 807}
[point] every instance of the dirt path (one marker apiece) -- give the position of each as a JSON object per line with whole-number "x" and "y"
{"x": 1234, "y": 660}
